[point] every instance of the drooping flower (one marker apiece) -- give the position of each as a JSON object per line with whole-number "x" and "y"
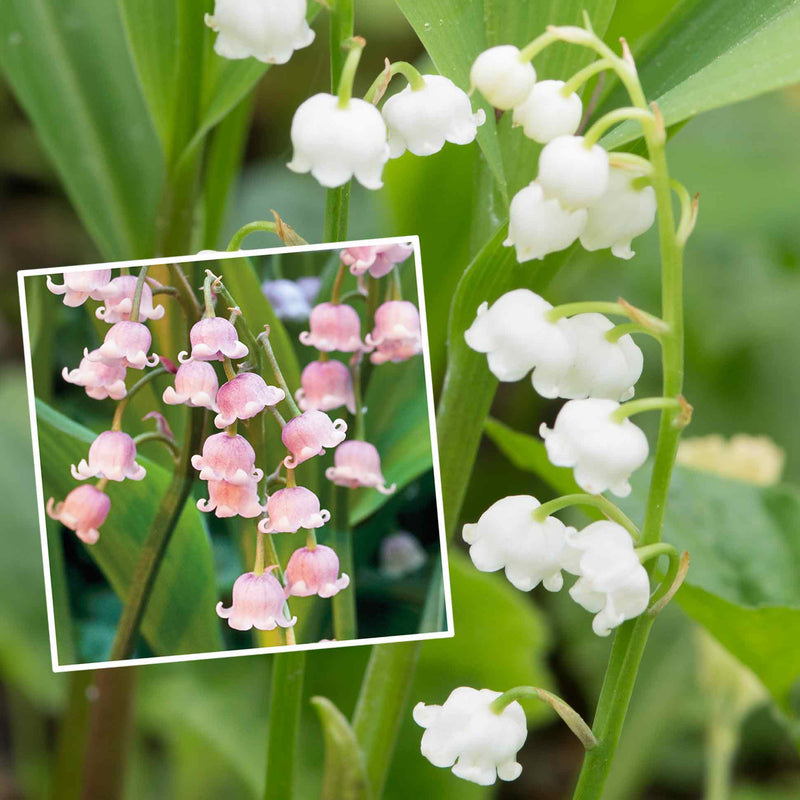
{"x": 397, "y": 335}
{"x": 612, "y": 584}
{"x": 508, "y": 536}
{"x": 258, "y": 602}
{"x": 293, "y": 508}
{"x": 231, "y": 499}
{"x": 227, "y": 458}
{"x": 602, "y": 451}
{"x": 244, "y": 396}
{"x": 502, "y": 77}
{"x": 214, "y": 339}
{"x": 401, "y": 554}
{"x": 600, "y": 368}
{"x": 117, "y": 297}
{"x": 517, "y": 337}
{"x": 126, "y": 343}
{"x": 78, "y": 287}
{"x": 112, "y": 455}
{"x": 196, "y": 385}
{"x": 336, "y": 144}
{"x": 572, "y": 173}
{"x": 378, "y": 260}
{"x": 313, "y": 571}
{"x": 621, "y": 214}
{"x": 334, "y": 326}
{"x": 358, "y": 464}
{"x": 83, "y": 510}
{"x": 268, "y": 30}
{"x": 308, "y": 434}
{"x": 326, "y": 385}
{"x": 422, "y": 120}
{"x": 546, "y": 113}
{"x": 100, "y": 379}
{"x": 467, "y": 735}
{"x": 538, "y": 225}
{"x": 287, "y": 299}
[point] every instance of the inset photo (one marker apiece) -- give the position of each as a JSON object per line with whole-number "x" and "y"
{"x": 237, "y": 454}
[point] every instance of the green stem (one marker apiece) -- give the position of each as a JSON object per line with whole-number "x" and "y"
{"x": 592, "y": 136}
{"x": 580, "y": 77}
{"x": 137, "y": 294}
{"x": 154, "y": 436}
{"x": 336, "y": 290}
{"x": 208, "y": 300}
{"x": 535, "y": 47}
{"x": 345, "y": 626}
{"x": 186, "y": 296}
{"x": 631, "y": 161}
{"x": 67, "y": 774}
{"x": 348, "y": 73}
{"x": 258, "y": 226}
{"x": 586, "y": 307}
{"x": 276, "y": 370}
{"x": 411, "y": 74}
{"x": 358, "y": 399}
{"x": 116, "y": 422}
{"x": 645, "y": 404}
{"x": 722, "y": 741}
{"x": 618, "y": 331}
{"x": 613, "y": 512}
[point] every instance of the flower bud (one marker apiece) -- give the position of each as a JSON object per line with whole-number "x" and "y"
{"x": 502, "y": 77}
{"x": 314, "y": 571}
{"x": 602, "y": 451}
{"x": 573, "y": 174}
{"x": 538, "y": 226}
{"x": 83, "y": 510}
{"x": 232, "y": 499}
{"x": 214, "y": 339}
{"x": 401, "y": 554}
{"x": 422, "y": 120}
{"x": 333, "y": 327}
{"x": 243, "y": 397}
{"x": 517, "y": 337}
{"x": 546, "y": 113}
{"x": 287, "y": 299}
{"x": 112, "y": 455}
{"x": 117, "y": 297}
{"x": 100, "y": 379}
{"x": 326, "y": 385}
{"x": 358, "y": 464}
{"x": 336, "y": 144}
{"x": 258, "y": 602}
{"x": 268, "y": 30}
{"x": 397, "y": 335}
{"x": 127, "y": 343}
{"x": 508, "y": 536}
{"x": 378, "y": 260}
{"x": 293, "y": 508}
{"x": 196, "y": 385}
{"x": 78, "y": 287}
{"x": 468, "y": 736}
{"x": 227, "y": 458}
{"x": 309, "y": 434}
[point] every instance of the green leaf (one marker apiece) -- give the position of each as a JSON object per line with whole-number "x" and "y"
{"x": 180, "y": 617}
{"x": 69, "y": 67}
{"x": 345, "y": 772}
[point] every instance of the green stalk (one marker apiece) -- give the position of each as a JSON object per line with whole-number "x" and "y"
{"x": 345, "y": 626}
{"x": 67, "y": 774}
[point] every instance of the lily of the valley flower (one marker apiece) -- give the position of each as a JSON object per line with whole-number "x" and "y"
{"x": 258, "y": 602}
{"x": 78, "y": 287}
{"x": 244, "y": 396}
{"x": 287, "y": 299}
{"x": 117, "y": 297}
{"x": 83, "y": 510}
{"x": 546, "y": 113}
{"x": 314, "y": 571}
{"x": 100, "y": 379}
{"x": 573, "y": 174}
{"x": 308, "y": 434}
{"x": 196, "y": 385}
{"x": 334, "y": 326}
{"x": 127, "y": 343}
{"x": 112, "y": 455}
{"x": 508, "y": 536}
{"x": 502, "y": 77}
{"x": 214, "y": 339}
{"x": 358, "y": 464}
{"x": 397, "y": 335}
{"x": 232, "y": 499}
{"x": 227, "y": 458}
{"x": 378, "y": 260}
{"x": 326, "y": 385}
{"x": 602, "y": 451}
{"x": 467, "y": 735}
{"x": 293, "y": 508}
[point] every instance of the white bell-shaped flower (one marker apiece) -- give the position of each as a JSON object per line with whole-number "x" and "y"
{"x": 517, "y": 337}
{"x": 546, "y": 113}
{"x": 335, "y": 144}
{"x": 509, "y": 536}
{"x": 612, "y": 584}
{"x": 602, "y": 451}
{"x": 601, "y": 368}
{"x": 466, "y": 734}
{"x": 422, "y": 120}
{"x": 269, "y": 30}
{"x": 502, "y": 77}
{"x": 620, "y": 215}
{"x": 572, "y": 173}
{"x": 538, "y": 225}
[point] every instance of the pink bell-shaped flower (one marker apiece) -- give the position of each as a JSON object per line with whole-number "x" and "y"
{"x": 100, "y": 379}
{"x": 196, "y": 385}
{"x": 333, "y": 327}
{"x": 358, "y": 464}
{"x": 313, "y": 571}
{"x": 309, "y": 434}
{"x": 293, "y": 508}
{"x": 396, "y": 336}
{"x": 232, "y": 499}
{"x": 212, "y": 339}
{"x": 227, "y": 458}
{"x": 258, "y": 602}
{"x": 326, "y": 385}
{"x": 377, "y": 260}
{"x": 112, "y": 455}
{"x": 83, "y": 510}
{"x": 117, "y": 297}
{"x": 79, "y": 286}
{"x": 243, "y": 397}
{"x": 127, "y": 342}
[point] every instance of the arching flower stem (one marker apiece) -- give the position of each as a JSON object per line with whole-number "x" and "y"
{"x": 609, "y": 509}
{"x": 645, "y": 404}
{"x": 618, "y": 331}
{"x": 263, "y": 339}
{"x": 583, "y": 75}
{"x": 379, "y": 85}
{"x": 116, "y": 422}
{"x": 613, "y": 118}
{"x": 153, "y": 436}
{"x": 355, "y": 46}
{"x": 137, "y": 293}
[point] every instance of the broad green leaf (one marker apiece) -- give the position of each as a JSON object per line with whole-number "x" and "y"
{"x": 69, "y": 67}
{"x": 180, "y": 616}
